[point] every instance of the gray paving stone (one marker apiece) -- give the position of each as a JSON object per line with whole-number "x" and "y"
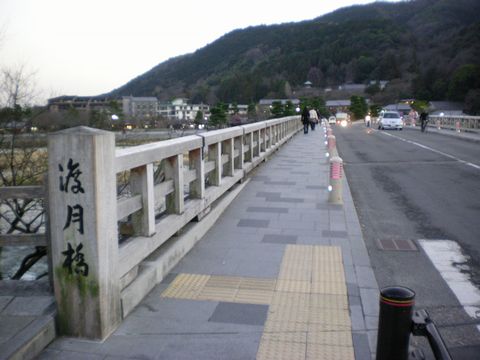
{"x": 257, "y": 254}
{"x": 329, "y": 207}
{"x": 253, "y": 223}
{"x": 371, "y": 322}
{"x": 354, "y": 300}
{"x": 260, "y": 178}
{"x": 365, "y": 277}
{"x": 361, "y": 258}
{"x": 353, "y": 289}
{"x": 275, "y": 210}
{"x": 284, "y": 199}
{"x": 372, "y": 341}
{"x": 335, "y": 234}
{"x": 282, "y": 183}
{"x": 267, "y": 194}
{"x": 29, "y": 305}
{"x": 290, "y": 216}
{"x": 350, "y": 275}
{"x": 71, "y": 355}
{"x": 15, "y": 324}
{"x": 316, "y": 187}
{"x": 361, "y": 346}
{"x": 168, "y": 309}
{"x": 4, "y": 301}
{"x": 313, "y": 240}
{"x": 167, "y": 280}
{"x": 301, "y": 225}
{"x": 246, "y": 314}
{"x": 263, "y": 269}
{"x": 280, "y": 239}
{"x": 370, "y": 301}
{"x": 356, "y": 314}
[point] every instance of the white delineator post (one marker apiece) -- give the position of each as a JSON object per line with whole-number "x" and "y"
{"x": 336, "y": 177}
{"x": 84, "y": 240}
{"x": 332, "y": 145}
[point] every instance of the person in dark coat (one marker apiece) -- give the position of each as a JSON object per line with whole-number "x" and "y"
{"x": 305, "y": 120}
{"x": 423, "y": 120}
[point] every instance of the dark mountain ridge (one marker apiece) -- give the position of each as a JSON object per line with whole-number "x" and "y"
{"x": 418, "y": 44}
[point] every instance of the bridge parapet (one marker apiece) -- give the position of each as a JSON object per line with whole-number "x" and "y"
{"x": 456, "y": 122}
{"x": 100, "y": 239}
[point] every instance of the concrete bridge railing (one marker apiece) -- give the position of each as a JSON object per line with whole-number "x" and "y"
{"x": 456, "y": 122}
{"x": 98, "y": 274}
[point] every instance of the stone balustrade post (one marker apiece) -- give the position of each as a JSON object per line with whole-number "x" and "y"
{"x": 84, "y": 240}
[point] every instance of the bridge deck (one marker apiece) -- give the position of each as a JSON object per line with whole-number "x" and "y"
{"x": 281, "y": 275}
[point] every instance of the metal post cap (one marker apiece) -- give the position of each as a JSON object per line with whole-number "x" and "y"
{"x": 397, "y": 296}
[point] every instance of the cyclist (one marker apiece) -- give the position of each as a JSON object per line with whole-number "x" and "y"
{"x": 424, "y": 120}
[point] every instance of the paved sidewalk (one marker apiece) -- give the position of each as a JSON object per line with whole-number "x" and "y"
{"x": 281, "y": 275}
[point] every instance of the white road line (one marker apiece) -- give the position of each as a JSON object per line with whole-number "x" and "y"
{"x": 448, "y": 259}
{"x": 434, "y": 150}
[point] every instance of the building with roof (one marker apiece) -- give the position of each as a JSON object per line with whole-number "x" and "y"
{"x": 334, "y": 106}
{"x": 447, "y": 108}
{"x": 140, "y": 107}
{"x": 81, "y": 103}
{"x": 401, "y": 108}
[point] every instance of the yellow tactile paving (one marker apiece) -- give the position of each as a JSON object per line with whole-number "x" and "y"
{"x": 329, "y": 317}
{"x": 296, "y": 286}
{"x": 316, "y": 327}
{"x": 186, "y": 286}
{"x": 217, "y": 294}
{"x": 327, "y": 352}
{"x": 258, "y": 284}
{"x": 308, "y": 316}
{"x": 249, "y": 296}
{"x": 333, "y": 338}
{"x": 328, "y": 276}
{"x": 286, "y": 299}
{"x": 224, "y": 281}
{"x": 334, "y": 288}
{"x": 328, "y": 301}
{"x": 295, "y": 337}
{"x": 327, "y": 253}
{"x": 277, "y": 350}
{"x": 283, "y": 326}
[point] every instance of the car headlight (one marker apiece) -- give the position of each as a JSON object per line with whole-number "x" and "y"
{"x": 344, "y": 123}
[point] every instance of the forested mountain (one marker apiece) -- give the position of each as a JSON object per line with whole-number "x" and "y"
{"x": 428, "y": 49}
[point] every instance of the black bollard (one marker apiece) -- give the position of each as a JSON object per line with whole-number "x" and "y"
{"x": 395, "y": 323}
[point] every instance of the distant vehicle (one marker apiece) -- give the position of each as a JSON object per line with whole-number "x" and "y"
{"x": 390, "y": 120}
{"x": 332, "y": 120}
{"x": 341, "y": 116}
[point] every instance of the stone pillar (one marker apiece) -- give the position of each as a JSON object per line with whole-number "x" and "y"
{"x": 83, "y": 229}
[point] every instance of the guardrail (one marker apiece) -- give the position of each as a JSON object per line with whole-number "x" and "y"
{"x": 461, "y": 123}
{"x": 170, "y": 183}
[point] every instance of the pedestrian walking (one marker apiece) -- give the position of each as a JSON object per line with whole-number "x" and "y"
{"x": 313, "y": 118}
{"x": 305, "y": 119}
{"x": 368, "y": 120}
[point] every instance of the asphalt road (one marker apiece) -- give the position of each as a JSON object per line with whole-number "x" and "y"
{"x": 409, "y": 186}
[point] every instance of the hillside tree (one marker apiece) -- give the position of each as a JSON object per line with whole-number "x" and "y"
{"x": 21, "y": 163}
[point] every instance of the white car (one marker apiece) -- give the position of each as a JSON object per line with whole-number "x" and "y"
{"x": 332, "y": 120}
{"x": 390, "y": 120}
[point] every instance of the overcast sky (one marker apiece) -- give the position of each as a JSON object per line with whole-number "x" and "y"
{"x": 89, "y": 47}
